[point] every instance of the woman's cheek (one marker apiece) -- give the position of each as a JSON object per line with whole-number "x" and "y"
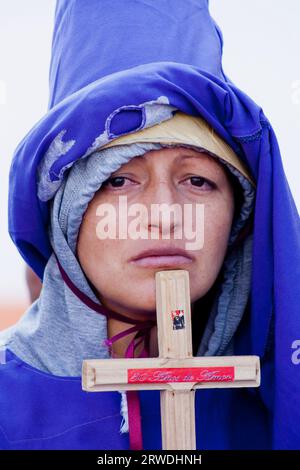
{"x": 217, "y": 227}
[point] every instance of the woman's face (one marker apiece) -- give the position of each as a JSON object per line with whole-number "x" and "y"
{"x": 199, "y": 188}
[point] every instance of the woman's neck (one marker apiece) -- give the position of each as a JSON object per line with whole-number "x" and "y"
{"x": 119, "y": 347}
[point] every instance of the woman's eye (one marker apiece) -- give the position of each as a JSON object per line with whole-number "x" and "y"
{"x": 201, "y": 182}
{"x": 117, "y": 182}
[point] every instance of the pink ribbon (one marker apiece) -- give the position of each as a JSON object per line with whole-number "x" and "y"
{"x": 143, "y": 330}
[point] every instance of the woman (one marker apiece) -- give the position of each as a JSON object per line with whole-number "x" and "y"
{"x": 155, "y": 129}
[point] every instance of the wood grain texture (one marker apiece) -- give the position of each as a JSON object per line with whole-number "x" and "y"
{"x": 175, "y": 372}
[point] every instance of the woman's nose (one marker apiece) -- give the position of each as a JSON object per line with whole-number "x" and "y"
{"x": 162, "y": 191}
{"x": 164, "y": 209}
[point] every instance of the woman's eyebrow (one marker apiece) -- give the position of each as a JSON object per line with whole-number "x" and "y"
{"x": 184, "y": 156}
{"x": 206, "y": 159}
{"x": 187, "y": 156}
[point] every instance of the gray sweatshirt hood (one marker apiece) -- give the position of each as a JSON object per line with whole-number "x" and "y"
{"x": 58, "y": 331}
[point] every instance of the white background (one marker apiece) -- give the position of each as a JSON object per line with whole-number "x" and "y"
{"x": 261, "y": 56}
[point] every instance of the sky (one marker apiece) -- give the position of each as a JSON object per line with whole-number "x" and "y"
{"x": 260, "y": 55}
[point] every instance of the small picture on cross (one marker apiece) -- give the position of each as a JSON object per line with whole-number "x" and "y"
{"x": 178, "y": 319}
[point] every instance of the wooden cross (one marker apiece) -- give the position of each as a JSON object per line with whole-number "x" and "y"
{"x": 175, "y": 372}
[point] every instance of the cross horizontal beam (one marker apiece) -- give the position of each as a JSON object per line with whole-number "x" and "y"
{"x": 170, "y": 374}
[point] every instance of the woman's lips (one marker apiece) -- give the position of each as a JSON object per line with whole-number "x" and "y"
{"x": 160, "y": 261}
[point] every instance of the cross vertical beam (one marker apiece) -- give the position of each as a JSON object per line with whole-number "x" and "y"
{"x": 174, "y": 331}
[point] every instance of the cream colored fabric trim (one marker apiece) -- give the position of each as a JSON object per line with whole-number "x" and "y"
{"x": 189, "y": 130}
